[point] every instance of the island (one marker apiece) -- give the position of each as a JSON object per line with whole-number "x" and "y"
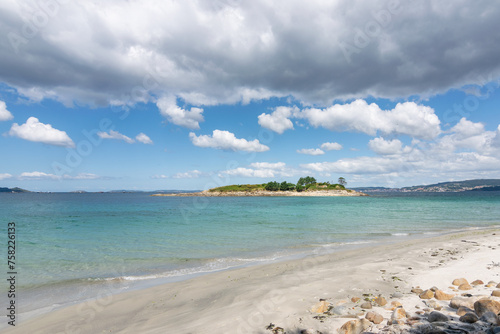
{"x": 305, "y": 186}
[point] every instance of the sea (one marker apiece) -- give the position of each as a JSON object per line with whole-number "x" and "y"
{"x": 73, "y": 247}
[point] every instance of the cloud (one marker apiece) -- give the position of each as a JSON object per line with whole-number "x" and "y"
{"x": 37, "y": 176}
{"x": 225, "y": 140}
{"x": 331, "y": 147}
{"x": 385, "y": 147}
{"x": 142, "y": 138}
{"x": 46, "y": 176}
{"x": 189, "y": 119}
{"x": 261, "y": 170}
{"x": 406, "y": 118}
{"x": 230, "y": 51}
{"x": 467, "y": 150}
{"x": 115, "y": 135}
{"x": 193, "y": 174}
{"x": 159, "y": 177}
{"x": 5, "y": 115}
{"x": 278, "y": 121}
{"x": 311, "y": 151}
{"x": 4, "y": 176}
{"x": 34, "y": 130}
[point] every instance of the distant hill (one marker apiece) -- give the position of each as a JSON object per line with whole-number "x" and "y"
{"x": 453, "y": 186}
{"x": 13, "y": 190}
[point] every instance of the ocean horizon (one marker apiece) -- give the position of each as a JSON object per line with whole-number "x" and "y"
{"x": 74, "y": 246}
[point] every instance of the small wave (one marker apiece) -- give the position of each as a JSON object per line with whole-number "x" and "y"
{"x": 400, "y": 234}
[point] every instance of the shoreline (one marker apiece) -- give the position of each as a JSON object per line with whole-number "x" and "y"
{"x": 260, "y": 193}
{"x": 246, "y": 300}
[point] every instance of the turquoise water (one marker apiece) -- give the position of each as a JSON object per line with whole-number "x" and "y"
{"x": 70, "y": 245}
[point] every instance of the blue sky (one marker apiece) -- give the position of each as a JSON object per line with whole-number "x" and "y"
{"x": 189, "y": 95}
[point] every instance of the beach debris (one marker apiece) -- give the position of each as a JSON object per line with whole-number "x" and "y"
{"x": 354, "y": 326}
{"x": 417, "y": 290}
{"x": 275, "y": 329}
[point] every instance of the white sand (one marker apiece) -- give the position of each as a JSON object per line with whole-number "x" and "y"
{"x": 247, "y": 300}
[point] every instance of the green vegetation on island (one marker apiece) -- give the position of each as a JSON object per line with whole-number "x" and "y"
{"x": 303, "y": 184}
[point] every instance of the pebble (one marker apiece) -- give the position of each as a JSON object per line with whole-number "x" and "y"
{"x": 397, "y": 295}
{"x": 354, "y": 326}
{"x": 496, "y": 293}
{"x": 398, "y": 314}
{"x": 339, "y": 310}
{"x": 320, "y": 307}
{"x": 464, "y": 310}
{"x": 355, "y": 299}
{"x": 490, "y": 317}
{"x": 427, "y": 294}
{"x": 440, "y": 295}
{"x": 366, "y": 305}
{"x": 435, "y": 316}
{"x": 469, "y": 318}
{"x": 498, "y": 286}
{"x": 417, "y": 291}
{"x": 433, "y": 304}
{"x": 485, "y": 305}
{"x": 380, "y": 301}
{"x": 374, "y": 317}
{"x": 477, "y": 282}
{"x": 458, "y": 301}
{"x": 465, "y": 286}
{"x": 394, "y": 304}
{"x": 459, "y": 281}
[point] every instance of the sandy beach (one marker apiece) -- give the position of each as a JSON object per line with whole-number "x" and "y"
{"x": 288, "y": 295}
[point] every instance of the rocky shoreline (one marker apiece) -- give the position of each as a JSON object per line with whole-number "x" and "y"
{"x": 261, "y": 193}
{"x": 460, "y": 308}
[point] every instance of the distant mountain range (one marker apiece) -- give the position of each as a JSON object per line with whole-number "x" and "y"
{"x": 454, "y": 186}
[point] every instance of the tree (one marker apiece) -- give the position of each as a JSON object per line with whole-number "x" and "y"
{"x": 304, "y": 181}
{"x": 342, "y": 181}
{"x": 300, "y": 188}
{"x": 285, "y": 186}
{"x": 272, "y": 186}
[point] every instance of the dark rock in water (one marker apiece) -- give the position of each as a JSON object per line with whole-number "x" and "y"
{"x": 485, "y": 305}
{"x": 469, "y": 318}
{"x": 435, "y": 316}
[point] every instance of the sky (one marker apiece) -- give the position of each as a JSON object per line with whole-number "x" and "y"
{"x": 149, "y": 95}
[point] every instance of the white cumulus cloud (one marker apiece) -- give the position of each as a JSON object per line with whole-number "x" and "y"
{"x": 331, "y": 147}
{"x": 115, "y": 135}
{"x": 225, "y": 140}
{"x": 311, "y": 151}
{"x": 385, "y": 147}
{"x": 261, "y": 170}
{"x": 34, "y": 130}
{"x": 193, "y": 174}
{"x": 406, "y": 118}
{"x": 5, "y": 115}
{"x": 187, "y": 118}
{"x": 278, "y": 121}
{"x": 4, "y": 176}
{"x": 143, "y": 138}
